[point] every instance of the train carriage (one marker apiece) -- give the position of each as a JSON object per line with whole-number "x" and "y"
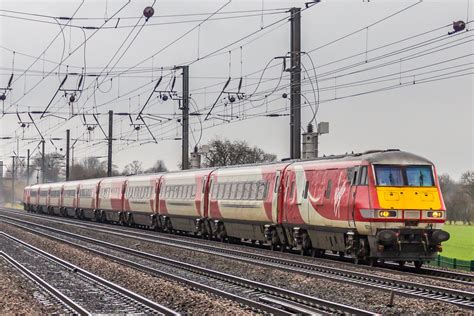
{"x": 32, "y": 196}
{"x": 70, "y": 198}
{"x": 140, "y": 204}
{"x": 87, "y": 199}
{"x": 43, "y": 198}
{"x": 26, "y": 197}
{"x": 54, "y": 198}
{"x": 182, "y": 200}
{"x": 377, "y": 205}
{"x": 110, "y": 200}
{"x": 243, "y": 199}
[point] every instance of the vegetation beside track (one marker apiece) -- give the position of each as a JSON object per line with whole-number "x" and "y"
{"x": 461, "y": 243}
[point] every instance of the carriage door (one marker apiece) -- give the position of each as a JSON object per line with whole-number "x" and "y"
{"x": 353, "y": 175}
{"x": 276, "y": 197}
{"x": 301, "y": 194}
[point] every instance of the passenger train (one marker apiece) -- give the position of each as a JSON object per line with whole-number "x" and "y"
{"x": 377, "y": 205}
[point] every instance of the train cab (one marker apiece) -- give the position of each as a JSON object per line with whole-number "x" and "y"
{"x": 407, "y": 213}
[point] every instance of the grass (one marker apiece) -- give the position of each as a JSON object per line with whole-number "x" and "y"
{"x": 461, "y": 243}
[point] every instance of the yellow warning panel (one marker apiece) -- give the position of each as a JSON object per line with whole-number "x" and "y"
{"x": 409, "y": 198}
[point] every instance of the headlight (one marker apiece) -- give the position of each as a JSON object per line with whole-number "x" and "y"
{"x": 387, "y": 214}
{"x": 435, "y": 214}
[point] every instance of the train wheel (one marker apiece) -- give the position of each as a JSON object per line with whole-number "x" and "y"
{"x": 418, "y": 264}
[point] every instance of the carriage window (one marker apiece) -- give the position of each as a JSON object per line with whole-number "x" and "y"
{"x": 389, "y": 176}
{"x": 227, "y": 191}
{"x": 233, "y": 191}
{"x": 305, "y": 192}
{"x": 193, "y": 191}
{"x": 328, "y": 189}
{"x": 246, "y": 194}
{"x": 214, "y": 191}
{"x": 291, "y": 189}
{"x": 277, "y": 182}
{"x": 204, "y": 184}
{"x": 239, "y": 191}
{"x": 189, "y": 191}
{"x": 220, "y": 191}
{"x": 253, "y": 191}
{"x": 261, "y": 190}
{"x": 419, "y": 176}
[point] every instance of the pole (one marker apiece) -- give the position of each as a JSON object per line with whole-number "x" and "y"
{"x": 295, "y": 114}
{"x": 72, "y": 156}
{"x": 109, "y": 156}
{"x": 185, "y": 120}
{"x": 28, "y": 167}
{"x": 42, "y": 161}
{"x": 68, "y": 139}
{"x": 13, "y": 181}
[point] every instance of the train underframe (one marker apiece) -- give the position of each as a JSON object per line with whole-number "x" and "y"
{"x": 400, "y": 245}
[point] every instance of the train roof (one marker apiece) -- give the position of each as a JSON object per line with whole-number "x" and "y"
{"x": 385, "y": 157}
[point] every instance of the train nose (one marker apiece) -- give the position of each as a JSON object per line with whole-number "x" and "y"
{"x": 440, "y": 236}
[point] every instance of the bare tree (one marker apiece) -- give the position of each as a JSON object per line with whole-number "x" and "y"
{"x": 159, "y": 166}
{"x": 226, "y": 153}
{"x": 135, "y": 167}
{"x": 467, "y": 183}
{"x": 90, "y": 168}
{"x": 458, "y": 197}
{"x": 53, "y": 166}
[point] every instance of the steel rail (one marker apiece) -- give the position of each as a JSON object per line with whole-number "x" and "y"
{"x": 160, "y": 309}
{"x": 303, "y": 302}
{"x": 443, "y": 275}
{"x": 405, "y": 288}
{"x": 65, "y": 300}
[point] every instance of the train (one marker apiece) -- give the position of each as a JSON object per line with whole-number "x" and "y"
{"x": 379, "y": 205}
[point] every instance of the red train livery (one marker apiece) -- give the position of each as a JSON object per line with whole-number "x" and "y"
{"x": 374, "y": 205}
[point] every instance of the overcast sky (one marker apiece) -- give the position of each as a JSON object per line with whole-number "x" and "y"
{"x": 432, "y": 118}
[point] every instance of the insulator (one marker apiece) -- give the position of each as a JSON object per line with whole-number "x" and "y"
{"x": 148, "y": 12}
{"x": 459, "y": 26}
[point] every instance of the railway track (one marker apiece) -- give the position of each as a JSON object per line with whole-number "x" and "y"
{"x": 199, "y": 245}
{"x": 259, "y": 296}
{"x": 80, "y": 291}
{"x": 411, "y": 289}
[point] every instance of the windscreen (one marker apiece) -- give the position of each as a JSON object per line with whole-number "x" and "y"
{"x": 419, "y": 176}
{"x": 389, "y": 176}
{"x": 415, "y": 176}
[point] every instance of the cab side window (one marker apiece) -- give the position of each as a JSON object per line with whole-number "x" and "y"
{"x": 363, "y": 176}
{"x": 328, "y": 189}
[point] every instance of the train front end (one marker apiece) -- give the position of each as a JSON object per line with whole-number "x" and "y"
{"x": 407, "y": 214}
